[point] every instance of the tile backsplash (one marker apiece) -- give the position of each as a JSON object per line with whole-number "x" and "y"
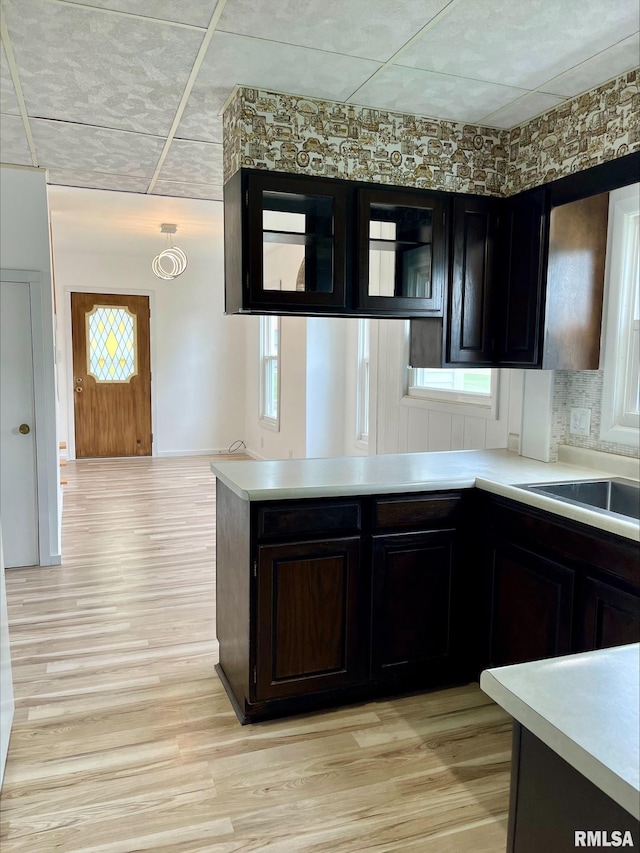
{"x": 582, "y": 388}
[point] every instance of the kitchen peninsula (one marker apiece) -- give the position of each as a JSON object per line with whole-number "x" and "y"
{"x": 576, "y": 750}
{"x": 339, "y": 579}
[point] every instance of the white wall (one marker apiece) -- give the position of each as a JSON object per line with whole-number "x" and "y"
{"x": 198, "y": 354}
{"x": 289, "y": 442}
{"x": 319, "y": 393}
{"x": 405, "y": 425}
{"x": 326, "y": 386}
{"x": 24, "y": 245}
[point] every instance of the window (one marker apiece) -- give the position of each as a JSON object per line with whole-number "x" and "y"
{"x": 362, "y": 429}
{"x": 111, "y": 343}
{"x": 620, "y": 420}
{"x": 475, "y": 387}
{"x": 269, "y": 371}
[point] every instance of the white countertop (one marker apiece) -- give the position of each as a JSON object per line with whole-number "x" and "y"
{"x": 586, "y": 708}
{"x": 492, "y": 470}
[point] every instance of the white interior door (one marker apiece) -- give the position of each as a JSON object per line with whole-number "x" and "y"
{"x": 18, "y": 484}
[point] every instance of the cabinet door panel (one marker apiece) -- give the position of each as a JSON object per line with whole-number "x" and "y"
{"x": 530, "y": 606}
{"x": 307, "y": 631}
{"x": 412, "y": 596}
{"x": 523, "y": 252}
{"x": 606, "y": 617}
{"x": 296, "y": 232}
{"x": 469, "y": 321}
{"x": 401, "y": 252}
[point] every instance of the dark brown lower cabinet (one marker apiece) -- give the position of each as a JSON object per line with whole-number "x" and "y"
{"x": 555, "y": 586}
{"x": 413, "y": 594}
{"x": 325, "y": 601}
{"x": 530, "y": 606}
{"x": 551, "y": 802}
{"x": 608, "y": 616}
{"x": 329, "y": 600}
{"x": 307, "y": 619}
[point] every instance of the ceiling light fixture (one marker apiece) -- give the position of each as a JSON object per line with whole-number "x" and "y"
{"x": 171, "y": 262}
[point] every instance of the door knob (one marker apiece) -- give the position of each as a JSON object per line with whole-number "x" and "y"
{"x": 78, "y": 389}
{"x": 24, "y": 429}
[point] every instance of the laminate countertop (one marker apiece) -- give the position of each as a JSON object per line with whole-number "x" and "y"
{"x": 586, "y": 708}
{"x": 498, "y": 471}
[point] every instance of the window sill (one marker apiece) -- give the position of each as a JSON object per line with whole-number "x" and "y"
{"x": 269, "y": 423}
{"x": 619, "y": 434}
{"x": 470, "y": 410}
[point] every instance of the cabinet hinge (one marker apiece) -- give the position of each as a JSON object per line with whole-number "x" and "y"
{"x": 255, "y": 568}
{"x": 255, "y": 674}
{"x": 246, "y": 197}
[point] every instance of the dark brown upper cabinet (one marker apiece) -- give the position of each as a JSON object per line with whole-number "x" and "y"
{"x": 285, "y": 244}
{"x": 469, "y": 329}
{"x": 516, "y": 281}
{"x": 401, "y": 253}
{"x": 298, "y": 245}
{"x": 522, "y": 247}
{"x": 551, "y": 293}
{"x": 526, "y": 285}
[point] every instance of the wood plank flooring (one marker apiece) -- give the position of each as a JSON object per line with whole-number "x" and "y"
{"x": 124, "y": 739}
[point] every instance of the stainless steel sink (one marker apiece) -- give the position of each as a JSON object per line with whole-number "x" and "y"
{"x": 617, "y": 495}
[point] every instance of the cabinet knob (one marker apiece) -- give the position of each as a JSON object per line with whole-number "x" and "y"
{"x": 24, "y": 429}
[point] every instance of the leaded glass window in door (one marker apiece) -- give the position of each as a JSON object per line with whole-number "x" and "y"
{"x": 112, "y": 346}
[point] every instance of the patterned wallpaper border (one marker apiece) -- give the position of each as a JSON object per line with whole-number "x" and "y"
{"x": 291, "y": 133}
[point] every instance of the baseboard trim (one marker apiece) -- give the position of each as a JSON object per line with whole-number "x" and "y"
{"x": 213, "y": 451}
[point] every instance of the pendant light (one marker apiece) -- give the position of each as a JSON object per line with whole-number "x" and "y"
{"x": 171, "y": 262}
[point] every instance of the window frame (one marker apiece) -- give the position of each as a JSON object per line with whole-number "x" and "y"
{"x": 620, "y": 328}
{"x": 363, "y": 382}
{"x": 268, "y": 360}
{"x": 450, "y": 400}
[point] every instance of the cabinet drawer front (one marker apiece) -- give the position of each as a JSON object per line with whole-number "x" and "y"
{"x": 415, "y": 512}
{"x": 308, "y": 519}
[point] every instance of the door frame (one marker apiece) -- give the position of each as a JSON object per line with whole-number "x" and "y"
{"x": 69, "y": 383}
{"x": 48, "y": 487}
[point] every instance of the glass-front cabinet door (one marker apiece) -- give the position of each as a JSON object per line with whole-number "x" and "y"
{"x": 297, "y": 242}
{"x": 401, "y": 252}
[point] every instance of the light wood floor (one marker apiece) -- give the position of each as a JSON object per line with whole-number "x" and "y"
{"x": 124, "y": 739}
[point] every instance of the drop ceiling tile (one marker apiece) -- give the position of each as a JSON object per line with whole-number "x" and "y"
{"x": 96, "y": 180}
{"x": 82, "y": 66}
{"x": 521, "y": 44}
{"x": 232, "y": 60}
{"x": 530, "y": 105}
{"x": 185, "y": 190}
{"x": 8, "y": 100}
{"x": 74, "y": 147}
{"x": 603, "y": 66}
{"x": 195, "y": 12}
{"x": 14, "y": 148}
{"x": 434, "y": 95}
{"x": 193, "y": 162}
{"x": 200, "y": 119}
{"x": 371, "y": 29}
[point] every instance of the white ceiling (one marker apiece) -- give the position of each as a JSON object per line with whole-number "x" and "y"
{"x": 126, "y": 94}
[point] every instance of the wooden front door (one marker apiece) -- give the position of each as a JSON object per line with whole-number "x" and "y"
{"x": 111, "y": 374}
